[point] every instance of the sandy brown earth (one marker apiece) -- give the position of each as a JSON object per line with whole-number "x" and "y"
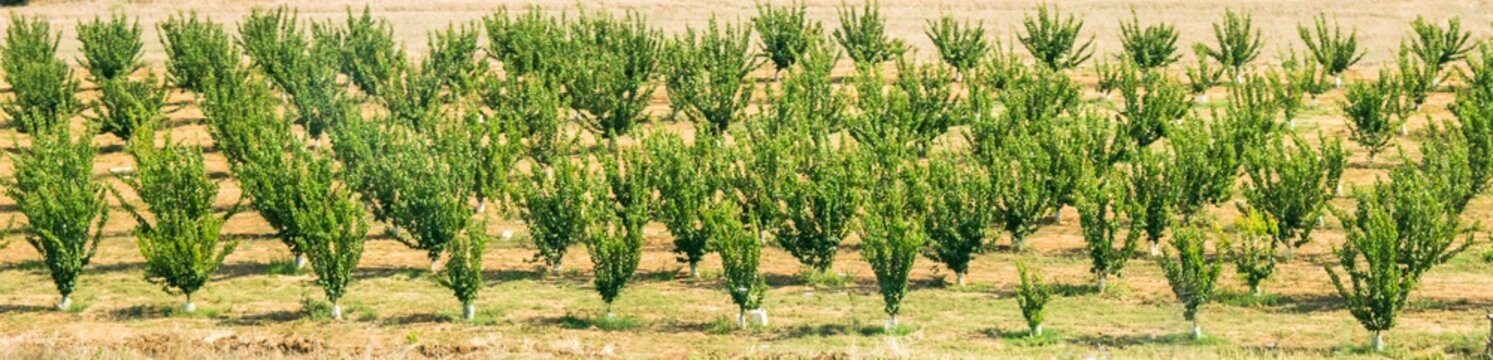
{"x": 251, "y": 310}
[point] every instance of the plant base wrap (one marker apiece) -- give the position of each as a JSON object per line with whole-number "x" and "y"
{"x": 1197, "y": 332}
{"x": 435, "y": 265}
{"x": 1155, "y": 249}
{"x": 959, "y": 279}
{"x": 300, "y": 261}
{"x": 190, "y": 307}
{"x": 694, "y": 270}
{"x": 1377, "y": 341}
{"x": 507, "y": 235}
{"x": 1202, "y": 99}
{"x": 337, "y": 311}
{"x": 759, "y": 317}
{"x": 468, "y": 312}
{"x": 891, "y": 323}
{"x": 1036, "y": 331}
{"x": 67, "y": 302}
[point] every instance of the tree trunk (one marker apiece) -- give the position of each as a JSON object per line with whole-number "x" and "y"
{"x": 336, "y": 311}
{"x": 1405, "y": 129}
{"x": 1378, "y": 341}
{"x": 1155, "y": 248}
{"x": 610, "y": 315}
{"x": 468, "y": 311}
{"x": 555, "y": 268}
{"x": 1057, "y": 216}
{"x": 959, "y": 278}
{"x": 1337, "y": 81}
{"x": 1102, "y": 284}
{"x": 507, "y": 235}
{"x": 67, "y": 302}
{"x": 300, "y": 261}
{"x": 481, "y": 205}
{"x": 1338, "y": 189}
{"x": 435, "y": 265}
{"x": 741, "y": 319}
{"x": 189, "y": 307}
{"x": 694, "y": 270}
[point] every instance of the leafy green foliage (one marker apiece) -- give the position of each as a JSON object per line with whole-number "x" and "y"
{"x": 1152, "y": 102}
{"x": 684, "y": 177}
{"x": 275, "y": 43}
{"x": 1020, "y": 173}
{"x": 863, "y": 35}
{"x": 615, "y": 239}
{"x": 1149, "y": 47}
{"x": 1039, "y": 97}
{"x": 1032, "y": 295}
{"x": 54, "y": 188}
{"x": 43, "y": 84}
{"x": 111, "y": 49}
{"x": 808, "y": 97}
{"x": 199, "y": 53}
{"x": 423, "y": 186}
{"x": 961, "y": 46}
{"x": 331, "y": 227}
{"x": 1053, "y": 39}
{"x": 1100, "y": 203}
{"x": 1204, "y": 165}
{"x": 1150, "y": 201}
{"x": 1291, "y": 185}
{"x": 741, "y": 252}
{"x": 1329, "y": 47}
{"x": 893, "y": 236}
{"x": 821, "y": 196}
{"x": 1202, "y": 76}
{"x": 525, "y": 44}
{"x": 952, "y": 200}
{"x": 1252, "y": 248}
{"x": 919, "y": 107}
{"x": 527, "y": 112}
{"x": 125, "y": 106}
{"x": 708, "y": 74}
{"x": 1193, "y": 275}
{"x": 786, "y": 33}
{"x": 558, "y": 207}
{"x": 1374, "y": 110}
{"x": 369, "y": 56}
{"x": 452, "y": 60}
{"x": 260, "y": 149}
{"x": 1438, "y": 45}
{"x": 181, "y": 246}
{"x": 614, "y": 62}
{"x": 1239, "y": 42}
{"x": 463, "y": 271}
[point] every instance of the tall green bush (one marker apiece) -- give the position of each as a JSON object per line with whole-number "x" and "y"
{"x": 1238, "y": 42}
{"x": 1032, "y": 294}
{"x": 708, "y": 74}
{"x": 452, "y": 59}
{"x": 198, "y": 52}
{"x": 1100, "y": 204}
{"x": 1374, "y": 109}
{"x": 1019, "y": 174}
{"x": 786, "y": 34}
{"x": 463, "y": 271}
{"x": 112, "y": 48}
{"x": 1330, "y": 48}
{"x": 1292, "y": 185}
{"x": 54, "y": 189}
{"x": 525, "y": 44}
{"x": 1204, "y": 167}
{"x": 369, "y": 55}
{"x": 1053, "y": 39}
{"x": 1438, "y": 46}
{"x": 125, "y": 106}
{"x": 953, "y": 201}
{"x": 892, "y": 238}
{"x": 43, "y": 85}
{"x": 820, "y": 197}
{"x": 1193, "y": 275}
{"x": 741, "y": 253}
{"x": 615, "y": 240}
{"x": 331, "y": 226}
{"x": 557, "y": 206}
{"x": 1150, "y": 46}
{"x": 1151, "y": 199}
{"x": 615, "y": 62}
{"x": 684, "y": 177}
{"x": 863, "y": 35}
{"x": 961, "y": 46}
{"x": 1252, "y": 249}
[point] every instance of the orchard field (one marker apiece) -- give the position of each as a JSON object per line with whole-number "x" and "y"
{"x": 414, "y": 151}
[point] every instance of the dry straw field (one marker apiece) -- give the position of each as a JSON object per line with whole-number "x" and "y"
{"x": 894, "y": 176}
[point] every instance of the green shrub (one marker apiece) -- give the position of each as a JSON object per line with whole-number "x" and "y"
{"x": 369, "y": 56}
{"x": 1151, "y": 196}
{"x": 1436, "y": 45}
{"x": 821, "y": 198}
{"x": 1053, "y": 39}
{"x": 125, "y": 106}
{"x": 557, "y": 207}
{"x": 616, "y": 62}
{"x": 684, "y": 177}
{"x": 953, "y": 200}
{"x": 808, "y": 98}
{"x": 1193, "y": 275}
{"x": 1329, "y": 48}
{"x": 863, "y": 35}
{"x": 1020, "y": 174}
{"x": 786, "y": 33}
{"x": 276, "y": 44}
{"x": 54, "y": 188}
{"x": 1374, "y": 110}
{"x": 1239, "y": 42}
{"x": 1032, "y": 295}
{"x": 1201, "y": 76}
{"x": 893, "y": 235}
{"x": 111, "y": 49}
{"x": 527, "y": 111}
{"x": 1152, "y": 103}
{"x": 198, "y": 51}
{"x": 1151, "y": 46}
{"x": 1205, "y": 164}
{"x": 1100, "y": 203}
{"x": 526, "y": 44}
{"x": 181, "y": 246}
{"x": 1252, "y": 248}
{"x": 741, "y": 252}
{"x": 708, "y": 75}
{"x": 1039, "y": 97}
{"x": 1081, "y": 146}
{"x": 331, "y": 226}
{"x": 919, "y": 107}
{"x": 452, "y": 59}
{"x": 961, "y": 46}
{"x": 463, "y": 271}
{"x": 615, "y": 239}
{"x": 42, "y": 83}
{"x": 1292, "y": 185}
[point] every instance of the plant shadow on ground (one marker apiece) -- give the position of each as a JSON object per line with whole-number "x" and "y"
{"x": 1023, "y": 337}
{"x": 586, "y": 321}
{"x": 1248, "y": 300}
{"x": 1142, "y": 339}
{"x": 828, "y": 330}
{"x": 162, "y": 311}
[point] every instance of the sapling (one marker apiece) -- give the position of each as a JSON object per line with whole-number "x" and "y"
{"x": 786, "y": 34}
{"x": 1300, "y": 77}
{"x": 1204, "y": 168}
{"x": 369, "y": 56}
{"x": 1193, "y": 274}
{"x": 961, "y": 46}
{"x": 616, "y": 61}
{"x": 820, "y": 200}
{"x": 808, "y": 97}
{"x": 557, "y": 207}
{"x": 1330, "y": 48}
{"x": 615, "y": 239}
{"x": 275, "y": 43}
{"x": 332, "y": 227}
{"x": 1149, "y": 47}
{"x": 892, "y": 238}
{"x": 498, "y": 144}
{"x": 433, "y": 179}
{"x": 1081, "y": 145}
{"x": 463, "y": 271}
{"x": 1032, "y": 295}
{"x": 1373, "y": 108}
{"x": 863, "y": 35}
{"x": 708, "y": 75}
{"x": 181, "y": 246}
{"x": 1475, "y": 127}
{"x": 919, "y": 107}
{"x": 1153, "y": 102}
{"x": 1446, "y": 154}
{"x": 452, "y": 59}
{"x": 1202, "y": 76}
{"x": 1291, "y": 185}
{"x": 1438, "y": 46}
{"x": 527, "y": 111}
{"x": 43, "y": 86}
{"x": 54, "y": 188}
{"x": 1053, "y": 39}
{"x": 1100, "y": 204}
{"x": 1238, "y": 42}
{"x": 198, "y": 51}
{"x": 684, "y": 179}
{"x": 112, "y": 48}
{"x": 1252, "y": 249}
{"x": 1039, "y": 96}
{"x": 1019, "y": 176}
{"x": 525, "y": 44}
{"x": 1151, "y": 197}
{"x": 741, "y": 252}
{"x": 953, "y": 201}
{"x": 1416, "y": 79}
{"x": 124, "y": 105}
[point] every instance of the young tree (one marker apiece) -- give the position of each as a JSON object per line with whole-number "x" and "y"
{"x": 615, "y": 239}
{"x": 463, "y": 271}
{"x": 331, "y": 227}
{"x": 919, "y": 107}
{"x": 618, "y": 59}
{"x": 741, "y": 252}
{"x": 557, "y": 207}
{"x": 893, "y": 237}
{"x": 953, "y": 201}
{"x": 111, "y": 49}
{"x": 1438, "y": 46}
{"x": 1252, "y": 248}
{"x": 863, "y": 35}
{"x": 821, "y": 198}
{"x": 1149, "y": 47}
{"x": 42, "y": 84}
{"x": 1291, "y": 186}
{"x": 1192, "y": 275}
{"x": 961, "y": 46}
{"x": 276, "y": 44}
{"x": 1239, "y": 42}
{"x": 1374, "y": 109}
{"x": 1100, "y": 204}
{"x": 369, "y": 56}
{"x": 1032, "y": 295}
{"x": 54, "y": 188}
{"x": 198, "y": 51}
{"x": 708, "y": 75}
{"x": 452, "y": 60}
{"x": 684, "y": 179}
{"x": 1053, "y": 39}
{"x": 182, "y": 246}
{"x": 1153, "y": 102}
{"x": 808, "y": 97}
{"x": 1151, "y": 196}
{"x": 1019, "y": 175}
{"x": 527, "y": 44}
{"x": 786, "y": 34}
{"x": 1202, "y": 76}
{"x": 125, "y": 106}
{"x": 436, "y": 179}
{"x": 1204, "y": 166}
{"x": 1330, "y": 49}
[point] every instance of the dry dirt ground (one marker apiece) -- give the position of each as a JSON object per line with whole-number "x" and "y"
{"x": 256, "y": 308}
